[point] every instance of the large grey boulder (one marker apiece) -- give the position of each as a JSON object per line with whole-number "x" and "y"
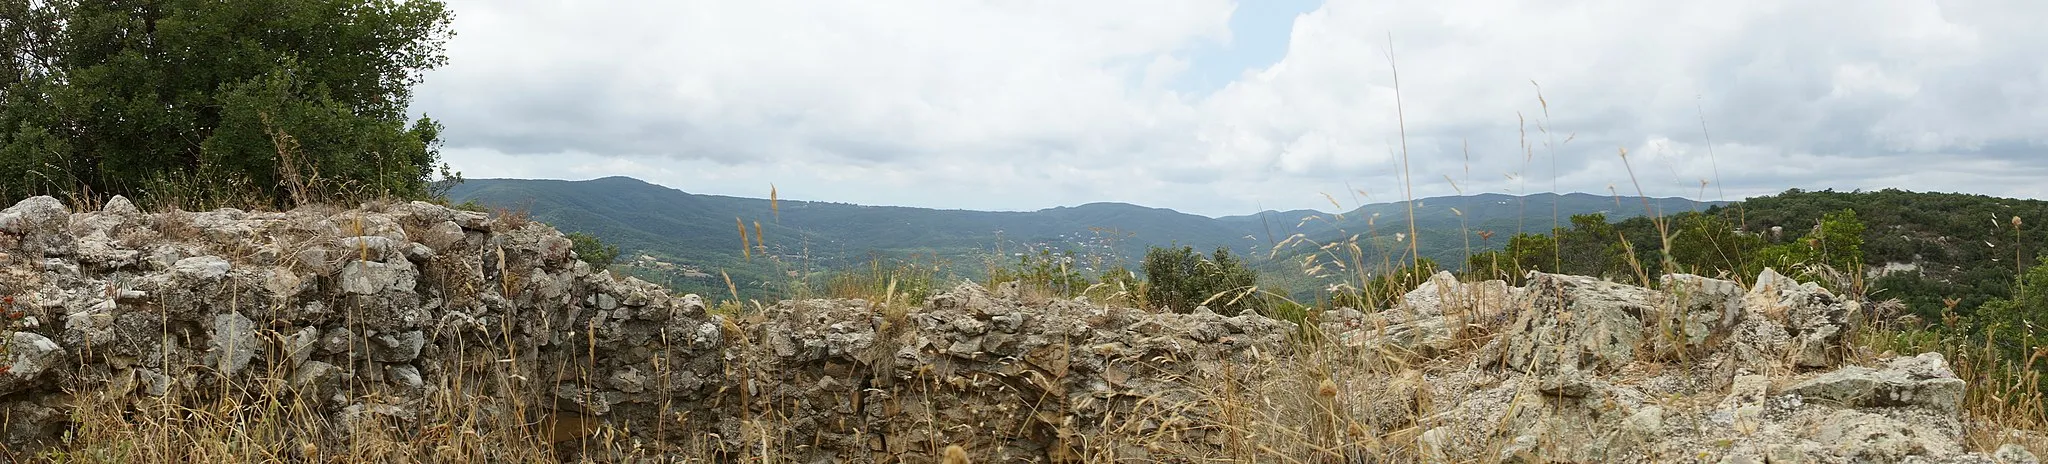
{"x": 1701, "y": 313}
{"x": 234, "y": 344}
{"x": 1578, "y": 323}
{"x": 37, "y": 227}
{"x": 1921, "y": 381}
{"x": 29, "y": 357}
{"x": 1428, "y": 320}
{"x": 1816, "y": 321}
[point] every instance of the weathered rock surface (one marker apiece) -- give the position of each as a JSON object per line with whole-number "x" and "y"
{"x": 1923, "y": 381}
{"x": 368, "y": 313}
{"x": 1429, "y": 319}
{"x": 344, "y": 308}
{"x": 1035, "y": 382}
{"x": 1701, "y": 371}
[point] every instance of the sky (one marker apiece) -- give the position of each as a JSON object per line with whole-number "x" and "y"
{"x": 1216, "y": 107}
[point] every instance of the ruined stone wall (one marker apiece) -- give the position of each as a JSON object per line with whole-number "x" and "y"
{"x": 372, "y": 313}
{"x": 358, "y": 313}
{"x": 410, "y": 315}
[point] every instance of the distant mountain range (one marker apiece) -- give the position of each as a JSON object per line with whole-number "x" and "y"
{"x": 695, "y": 235}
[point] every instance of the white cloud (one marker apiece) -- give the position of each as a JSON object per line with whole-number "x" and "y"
{"x": 1024, "y": 105}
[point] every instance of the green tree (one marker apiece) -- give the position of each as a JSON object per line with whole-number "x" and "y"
{"x": 1181, "y": 279}
{"x": 1119, "y": 284}
{"x": 1708, "y": 244}
{"x": 1836, "y": 243}
{"x": 1524, "y": 253}
{"x": 591, "y": 250}
{"x": 278, "y": 99}
{"x": 1839, "y": 241}
{"x": 2013, "y": 326}
{"x": 1589, "y": 247}
{"x": 2011, "y": 329}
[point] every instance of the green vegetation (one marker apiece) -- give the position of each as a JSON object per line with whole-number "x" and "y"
{"x": 813, "y": 240}
{"x": 1943, "y": 271}
{"x": 1181, "y": 279}
{"x": 203, "y": 103}
{"x": 1998, "y": 350}
{"x": 908, "y": 282}
{"x": 1966, "y": 248}
{"x": 1934, "y": 252}
{"x": 588, "y": 248}
{"x": 1057, "y": 273}
{"x": 2007, "y": 325}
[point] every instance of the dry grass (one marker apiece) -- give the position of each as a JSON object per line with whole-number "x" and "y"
{"x": 1322, "y": 402}
{"x": 473, "y": 419}
{"x": 2004, "y": 403}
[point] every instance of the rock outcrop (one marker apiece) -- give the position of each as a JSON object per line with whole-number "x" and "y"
{"x": 347, "y": 314}
{"x": 1701, "y": 371}
{"x": 397, "y": 317}
{"x": 384, "y": 315}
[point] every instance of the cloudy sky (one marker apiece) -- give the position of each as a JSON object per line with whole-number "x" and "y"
{"x": 1217, "y": 107}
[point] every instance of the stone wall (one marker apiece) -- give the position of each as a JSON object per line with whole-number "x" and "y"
{"x": 406, "y": 315}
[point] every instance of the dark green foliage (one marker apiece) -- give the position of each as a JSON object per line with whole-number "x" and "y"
{"x": 2001, "y": 342}
{"x": 1118, "y": 277}
{"x": 1958, "y": 256}
{"x": 1964, "y": 246}
{"x": 1180, "y": 279}
{"x": 1524, "y": 252}
{"x": 821, "y": 237}
{"x": 2014, "y": 326}
{"x": 1709, "y": 244}
{"x": 588, "y": 248}
{"x": 1835, "y": 244}
{"x": 1589, "y": 247}
{"x": 1175, "y": 279}
{"x": 277, "y": 102}
{"x": 1447, "y": 225}
{"x": 1592, "y": 246}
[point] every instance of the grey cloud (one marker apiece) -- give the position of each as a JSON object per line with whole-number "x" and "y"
{"x": 1844, "y": 94}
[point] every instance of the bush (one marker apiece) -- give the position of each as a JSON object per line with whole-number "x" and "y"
{"x": 1182, "y": 279}
{"x": 1052, "y": 272}
{"x": 591, "y": 250}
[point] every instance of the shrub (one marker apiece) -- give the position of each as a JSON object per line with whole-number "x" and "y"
{"x": 1053, "y": 272}
{"x": 1182, "y": 279}
{"x": 591, "y": 250}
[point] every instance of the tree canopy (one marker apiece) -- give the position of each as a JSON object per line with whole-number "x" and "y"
{"x": 1182, "y": 279}
{"x": 203, "y": 100}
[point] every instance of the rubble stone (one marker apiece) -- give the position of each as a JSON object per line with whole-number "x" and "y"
{"x": 364, "y": 311}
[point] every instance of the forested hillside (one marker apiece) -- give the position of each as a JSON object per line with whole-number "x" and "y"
{"x": 1938, "y": 246}
{"x": 1931, "y": 251}
{"x": 1332, "y": 249}
{"x": 1940, "y": 271}
{"x": 697, "y": 236}
{"x": 806, "y": 239}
